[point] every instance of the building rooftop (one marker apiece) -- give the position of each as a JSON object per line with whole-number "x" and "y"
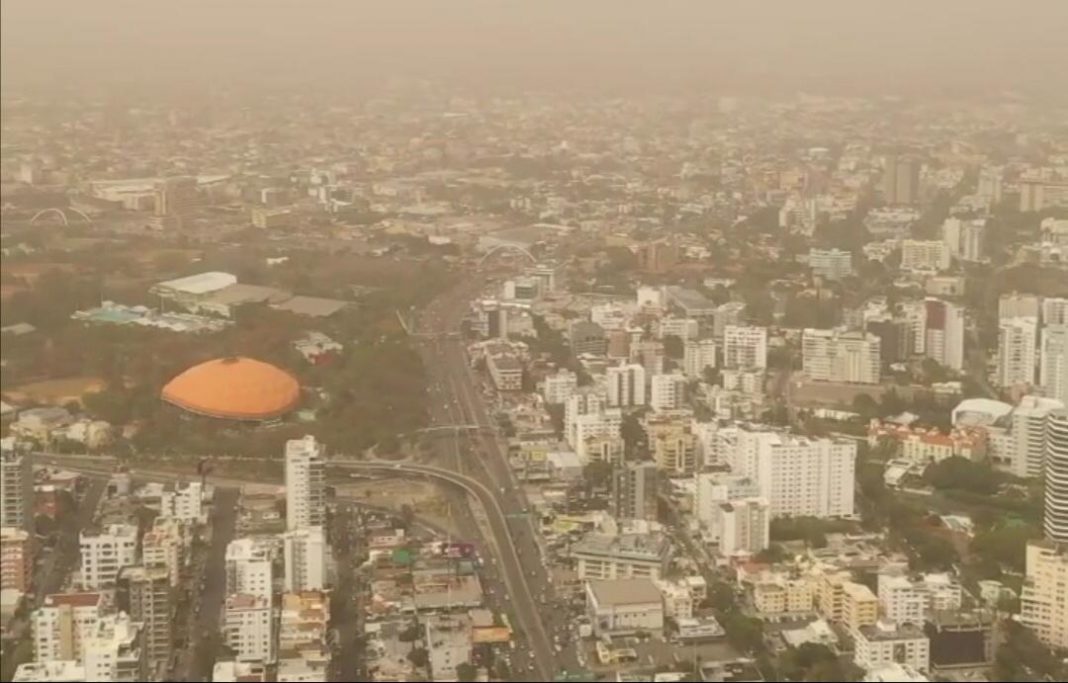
{"x": 310, "y": 305}
{"x": 61, "y": 671}
{"x": 234, "y": 388}
{"x": 643, "y": 547}
{"x": 73, "y": 599}
{"x": 240, "y": 293}
{"x": 624, "y": 592}
{"x": 888, "y": 630}
{"x": 895, "y": 673}
{"x": 245, "y": 672}
{"x": 201, "y": 283}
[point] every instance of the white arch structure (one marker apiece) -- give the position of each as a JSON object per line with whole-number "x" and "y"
{"x": 62, "y": 213}
{"x": 506, "y": 247}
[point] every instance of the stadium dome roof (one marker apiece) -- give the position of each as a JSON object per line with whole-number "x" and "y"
{"x": 234, "y": 389}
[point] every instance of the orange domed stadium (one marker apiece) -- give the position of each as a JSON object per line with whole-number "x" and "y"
{"x": 234, "y": 389}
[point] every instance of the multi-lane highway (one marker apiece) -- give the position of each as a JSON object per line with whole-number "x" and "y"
{"x": 457, "y": 398}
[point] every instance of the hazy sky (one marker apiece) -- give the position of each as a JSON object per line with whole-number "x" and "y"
{"x": 889, "y": 45}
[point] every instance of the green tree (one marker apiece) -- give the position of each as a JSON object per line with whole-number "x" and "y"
{"x": 418, "y": 657}
{"x": 865, "y": 405}
{"x": 963, "y": 474}
{"x": 809, "y": 662}
{"x": 1005, "y": 545}
{"x": 721, "y": 597}
{"x": 410, "y": 633}
{"x": 465, "y": 671}
{"x": 712, "y": 376}
{"x": 744, "y": 633}
{"x": 773, "y": 554}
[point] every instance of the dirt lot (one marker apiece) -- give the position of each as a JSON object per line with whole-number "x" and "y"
{"x": 55, "y": 391}
{"x": 426, "y": 500}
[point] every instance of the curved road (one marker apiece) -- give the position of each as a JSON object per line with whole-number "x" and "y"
{"x": 526, "y": 609}
{"x": 457, "y": 398}
{"x": 513, "y": 571}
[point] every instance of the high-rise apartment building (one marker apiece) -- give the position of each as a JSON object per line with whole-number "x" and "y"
{"x": 1053, "y": 362}
{"x": 840, "y": 355}
{"x": 604, "y": 448}
{"x": 712, "y": 489}
{"x": 674, "y": 447}
{"x": 1055, "y": 507}
{"x": 965, "y": 238}
{"x": 990, "y": 184}
{"x": 744, "y": 526}
{"x": 586, "y": 401}
{"x": 16, "y": 487}
{"x": 798, "y": 476}
{"x": 306, "y": 556}
{"x": 145, "y": 594}
{"x": 250, "y": 567}
{"x": 667, "y": 392}
{"x": 248, "y": 627}
{"x": 698, "y": 355}
{"x": 1055, "y": 311}
{"x": 625, "y": 385}
{"x": 164, "y": 546}
{"x": 944, "y": 333}
{"x": 104, "y": 552}
{"x": 634, "y": 491}
{"x": 973, "y": 241}
{"x": 1016, "y": 351}
{"x": 1043, "y": 603}
{"x": 305, "y": 483}
{"x": 901, "y": 179}
{"x": 745, "y": 346}
{"x": 1027, "y": 435}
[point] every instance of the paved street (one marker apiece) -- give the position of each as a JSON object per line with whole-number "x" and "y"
{"x": 64, "y": 557}
{"x": 346, "y": 600}
{"x": 196, "y": 661}
{"x": 456, "y": 399}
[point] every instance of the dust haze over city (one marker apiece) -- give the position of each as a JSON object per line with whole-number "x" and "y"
{"x": 493, "y": 341}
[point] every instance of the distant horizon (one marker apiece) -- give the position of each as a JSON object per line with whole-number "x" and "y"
{"x": 826, "y": 46}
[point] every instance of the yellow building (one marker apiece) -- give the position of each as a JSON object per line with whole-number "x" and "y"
{"x": 829, "y": 594}
{"x": 860, "y": 607}
{"x": 783, "y": 597}
{"x": 1044, "y": 600}
{"x": 674, "y": 447}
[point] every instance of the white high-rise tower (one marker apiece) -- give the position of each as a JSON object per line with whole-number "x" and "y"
{"x": 305, "y": 488}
